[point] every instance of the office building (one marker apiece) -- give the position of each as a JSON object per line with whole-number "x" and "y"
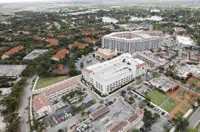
{"x": 108, "y": 76}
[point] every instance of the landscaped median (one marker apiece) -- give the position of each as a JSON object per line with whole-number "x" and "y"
{"x": 47, "y": 81}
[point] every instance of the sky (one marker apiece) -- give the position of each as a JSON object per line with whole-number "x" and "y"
{"x": 11, "y": 1}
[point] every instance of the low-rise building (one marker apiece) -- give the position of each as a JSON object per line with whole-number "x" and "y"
{"x": 90, "y": 40}
{"x": 108, "y": 76}
{"x": 60, "y": 54}
{"x": 41, "y": 106}
{"x": 11, "y": 71}
{"x": 183, "y": 71}
{"x": 12, "y": 51}
{"x": 163, "y": 83}
{"x": 185, "y": 41}
{"x": 179, "y": 30}
{"x": 149, "y": 58}
{"x": 42, "y": 103}
{"x": 134, "y": 26}
{"x": 52, "y": 41}
{"x": 99, "y": 112}
{"x": 34, "y": 54}
{"x": 105, "y": 54}
{"x": 126, "y": 125}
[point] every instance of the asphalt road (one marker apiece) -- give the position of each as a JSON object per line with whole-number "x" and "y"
{"x": 194, "y": 119}
{"x": 23, "y": 112}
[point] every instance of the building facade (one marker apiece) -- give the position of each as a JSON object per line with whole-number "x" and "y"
{"x": 110, "y": 75}
{"x": 132, "y": 41}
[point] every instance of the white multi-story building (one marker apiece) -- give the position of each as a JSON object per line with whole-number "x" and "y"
{"x": 111, "y": 75}
{"x": 133, "y": 41}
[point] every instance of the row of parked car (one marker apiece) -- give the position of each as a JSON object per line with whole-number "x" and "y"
{"x": 84, "y": 127}
{"x": 61, "y": 117}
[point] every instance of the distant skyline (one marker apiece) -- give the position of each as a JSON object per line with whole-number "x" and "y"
{"x": 18, "y": 1}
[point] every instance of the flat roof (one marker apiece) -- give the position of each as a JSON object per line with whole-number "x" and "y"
{"x": 163, "y": 83}
{"x": 11, "y": 70}
{"x": 135, "y": 35}
{"x": 115, "y": 68}
{"x": 185, "y": 40}
{"x": 34, "y": 54}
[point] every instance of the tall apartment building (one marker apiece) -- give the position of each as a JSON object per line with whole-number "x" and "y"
{"x": 133, "y": 41}
{"x": 111, "y": 75}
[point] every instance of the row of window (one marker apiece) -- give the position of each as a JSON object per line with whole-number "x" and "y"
{"x": 130, "y": 46}
{"x": 61, "y": 92}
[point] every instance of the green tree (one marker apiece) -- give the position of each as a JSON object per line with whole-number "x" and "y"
{"x": 135, "y": 130}
{"x": 181, "y": 124}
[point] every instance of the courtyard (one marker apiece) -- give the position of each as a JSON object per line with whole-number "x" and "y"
{"x": 47, "y": 81}
{"x": 176, "y": 102}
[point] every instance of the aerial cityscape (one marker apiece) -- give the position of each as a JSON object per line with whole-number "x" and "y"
{"x": 100, "y": 66}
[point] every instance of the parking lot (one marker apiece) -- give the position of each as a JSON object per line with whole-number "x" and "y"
{"x": 59, "y": 116}
{"x": 118, "y": 111}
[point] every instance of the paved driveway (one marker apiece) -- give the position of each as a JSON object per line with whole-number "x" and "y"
{"x": 23, "y": 112}
{"x": 194, "y": 119}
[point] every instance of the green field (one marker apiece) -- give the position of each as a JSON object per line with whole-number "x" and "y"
{"x": 186, "y": 108}
{"x": 181, "y": 93}
{"x": 170, "y": 105}
{"x": 44, "y": 82}
{"x": 157, "y": 97}
{"x": 197, "y": 127}
{"x": 195, "y": 81}
{"x": 179, "y": 114}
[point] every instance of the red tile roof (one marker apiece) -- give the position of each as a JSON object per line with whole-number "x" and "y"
{"x": 60, "y": 54}
{"x": 60, "y": 86}
{"x": 118, "y": 126}
{"x": 52, "y": 41}
{"x": 39, "y": 101}
{"x": 100, "y": 112}
{"x": 87, "y": 70}
{"x": 133, "y": 118}
{"x": 89, "y": 40}
{"x": 79, "y": 45}
{"x": 13, "y": 50}
{"x": 38, "y": 38}
{"x": 106, "y": 56}
{"x": 140, "y": 65}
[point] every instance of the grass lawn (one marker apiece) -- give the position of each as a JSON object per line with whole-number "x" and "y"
{"x": 198, "y": 126}
{"x": 181, "y": 93}
{"x": 195, "y": 81}
{"x": 170, "y": 105}
{"x": 179, "y": 114}
{"x": 157, "y": 97}
{"x": 44, "y": 82}
{"x": 186, "y": 108}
